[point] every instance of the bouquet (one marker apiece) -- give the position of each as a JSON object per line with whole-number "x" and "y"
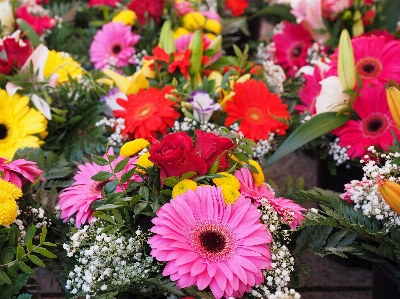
{"x": 184, "y": 215}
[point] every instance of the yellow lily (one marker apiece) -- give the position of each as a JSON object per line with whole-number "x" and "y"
{"x": 393, "y": 99}
{"x": 390, "y": 192}
{"x": 346, "y": 64}
{"x": 226, "y": 96}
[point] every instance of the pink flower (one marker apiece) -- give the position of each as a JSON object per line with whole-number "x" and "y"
{"x": 206, "y": 243}
{"x": 38, "y": 23}
{"x": 76, "y": 199}
{"x": 113, "y": 45}
{"x": 374, "y": 59}
{"x": 332, "y": 8}
{"x": 111, "y": 3}
{"x": 309, "y": 14}
{"x": 20, "y": 171}
{"x": 291, "y": 47}
{"x": 374, "y": 125}
{"x": 290, "y": 212}
{"x": 183, "y": 7}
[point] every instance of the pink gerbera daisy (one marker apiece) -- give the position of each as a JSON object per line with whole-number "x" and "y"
{"x": 206, "y": 243}
{"x": 374, "y": 59}
{"x": 20, "y": 171}
{"x": 113, "y": 45}
{"x": 77, "y": 198}
{"x": 291, "y": 47}
{"x": 290, "y": 212}
{"x": 374, "y": 125}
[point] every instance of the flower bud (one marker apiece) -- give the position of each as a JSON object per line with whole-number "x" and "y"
{"x": 358, "y": 26}
{"x": 6, "y": 18}
{"x": 196, "y": 52}
{"x": 346, "y": 64}
{"x": 393, "y": 99}
{"x": 216, "y": 44}
{"x": 167, "y": 42}
{"x": 390, "y": 192}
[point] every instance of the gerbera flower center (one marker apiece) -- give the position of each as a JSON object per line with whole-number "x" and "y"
{"x": 375, "y": 125}
{"x": 369, "y": 67}
{"x": 296, "y": 50}
{"x": 116, "y": 49}
{"x": 255, "y": 115}
{"x": 3, "y": 131}
{"x": 143, "y": 111}
{"x": 98, "y": 186}
{"x": 213, "y": 241}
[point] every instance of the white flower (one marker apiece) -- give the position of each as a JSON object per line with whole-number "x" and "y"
{"x": 203, "y": 106}
{"x": 331, "y": 97}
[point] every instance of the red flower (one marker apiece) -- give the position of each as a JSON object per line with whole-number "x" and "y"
{"x": 153, "y": 8}
{"x": 181, "y": 60}
{"x": 237, "y": 7}
{"x": 147, "y": 113}
{"x": 211, "y": 147}
{"x": 15, "y": 53}
{"x": 260, "y": 110}
{"x": 175, "y": 155}
{"x": 111, "y": 3}
{"x": 368, "y": 18}
{"x": 38, "y": 23}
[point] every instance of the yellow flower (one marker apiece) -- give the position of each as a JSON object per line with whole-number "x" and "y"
{"x": 228, "y": 179}
{"x": 257, "y": 177}
{"x": 128, "y": 17}
{"x": 62, "y": 65}
{"x": 226, "y": 96}
{"x": 193, "y": 21}
{"x": 230, "y": 194}
{"x": 183, "y": 186}
{"x": 144, "y": 162}
{"x": 179, "y": 32}
{"x": 9, "y": 188}
{"x": 133, "y": 147}
{"x": 213, "y": 26}
{"x": 18, "y": 124}
{"x": 8, "y": 208}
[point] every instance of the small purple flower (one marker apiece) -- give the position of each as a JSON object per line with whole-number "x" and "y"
{"x": 111, "y": 101}
{"x": 203, "y": 106}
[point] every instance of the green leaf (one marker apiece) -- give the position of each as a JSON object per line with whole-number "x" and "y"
{"x": 237, "y": 51}
{"x": 29, "y": 245}
{"x": 282, "y": 11}
{"x": 187, "y": 175}
{"x": 102, "y": 176}
{"x": 111, "y": 186}
{"x": 37, "y": 261}
{"x": 317, "y": 126}
{"x": 43, "y": 234}
{"x": 127, "y": 175}
{"x": 171, "y": 181}
{"x": 20, "y": 251}
{"x": 18, "y": 283}
{"x": 117, "y": 216}
{"x": 4, "y": 277}
{"x": 45, "y": 252}
{"x": 29, "y": 32}
{"x": 99, "y": 160}
{"x": 104, "y": 216}
{"x": 30, "y": 233}
{"x": 24, "y": 267}
{"x": 121, "y": 165}
{"x": 25, "y": 296}
{"x": 8, "y": 255}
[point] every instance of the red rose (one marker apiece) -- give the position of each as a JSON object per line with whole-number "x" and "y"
{"x": 210, "y": 146}
{"x": 14, "y": 52}
{"x": 175, "y": 155}
{"x": 151, "y": 8}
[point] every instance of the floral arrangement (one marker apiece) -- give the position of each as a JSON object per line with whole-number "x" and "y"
{"x": 178, "y": 216}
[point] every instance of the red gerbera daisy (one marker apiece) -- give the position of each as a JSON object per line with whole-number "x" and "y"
{"x": 291, "y": 47}
{"x": 147, "y": 9}
{"x": 237, "y": 7}
{"x": 374, "y": 126}
{"x": 147, "y": 113}
{"x": 181, "y": 60}
{"x": 260, "y": 110}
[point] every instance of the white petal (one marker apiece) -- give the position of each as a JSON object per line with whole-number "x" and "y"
{"x": 41, "y": 105}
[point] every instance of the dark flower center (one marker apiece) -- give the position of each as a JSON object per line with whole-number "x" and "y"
{"x": 116, "y": 49}
{"x": 3, "y": 131}
{"x": 369, "y": 67}
{"x": 296, "y": 51}
{"x": 100, "y": 185}
{"x": 212, "y": 241}
{"x": 375, "y": 125}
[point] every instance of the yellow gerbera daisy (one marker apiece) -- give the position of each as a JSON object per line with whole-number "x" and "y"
{"x": 131, "y": 148}
{"x": 228, "y": 179}
{"x": 144, "y": 162}
{"x": 230, "y": 194}
{"x": 193, "y": 21}
{"x": 128, "y": 17}
{"x": 8, "y": 208}
{"x": 18, "y": 124}
{"x": 257, "y": 177}
{"x": 62, "y": 65}
{"x": 183, "y": 186}
{"x": 14, "y": 191}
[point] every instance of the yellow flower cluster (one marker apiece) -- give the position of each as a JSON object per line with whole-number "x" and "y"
{"x": 144, "y": 162}
{"x": 183, "y": 186}
{"x": 230, "y": 187}
{"x": 131, "y": 148}
{"x": 9, "y": 193}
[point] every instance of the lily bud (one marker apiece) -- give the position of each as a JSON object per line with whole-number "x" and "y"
{"x": 196, "y": 52}
{"x": 167, "y": 41}
{"x": 216, "y": 44}
{"x": 393, "y": 99}
{"x": 390, "y": 192}
{"x": 7, "y": 20}
{"x": 358, "y": 26}
{"x": 346, "y": 64}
